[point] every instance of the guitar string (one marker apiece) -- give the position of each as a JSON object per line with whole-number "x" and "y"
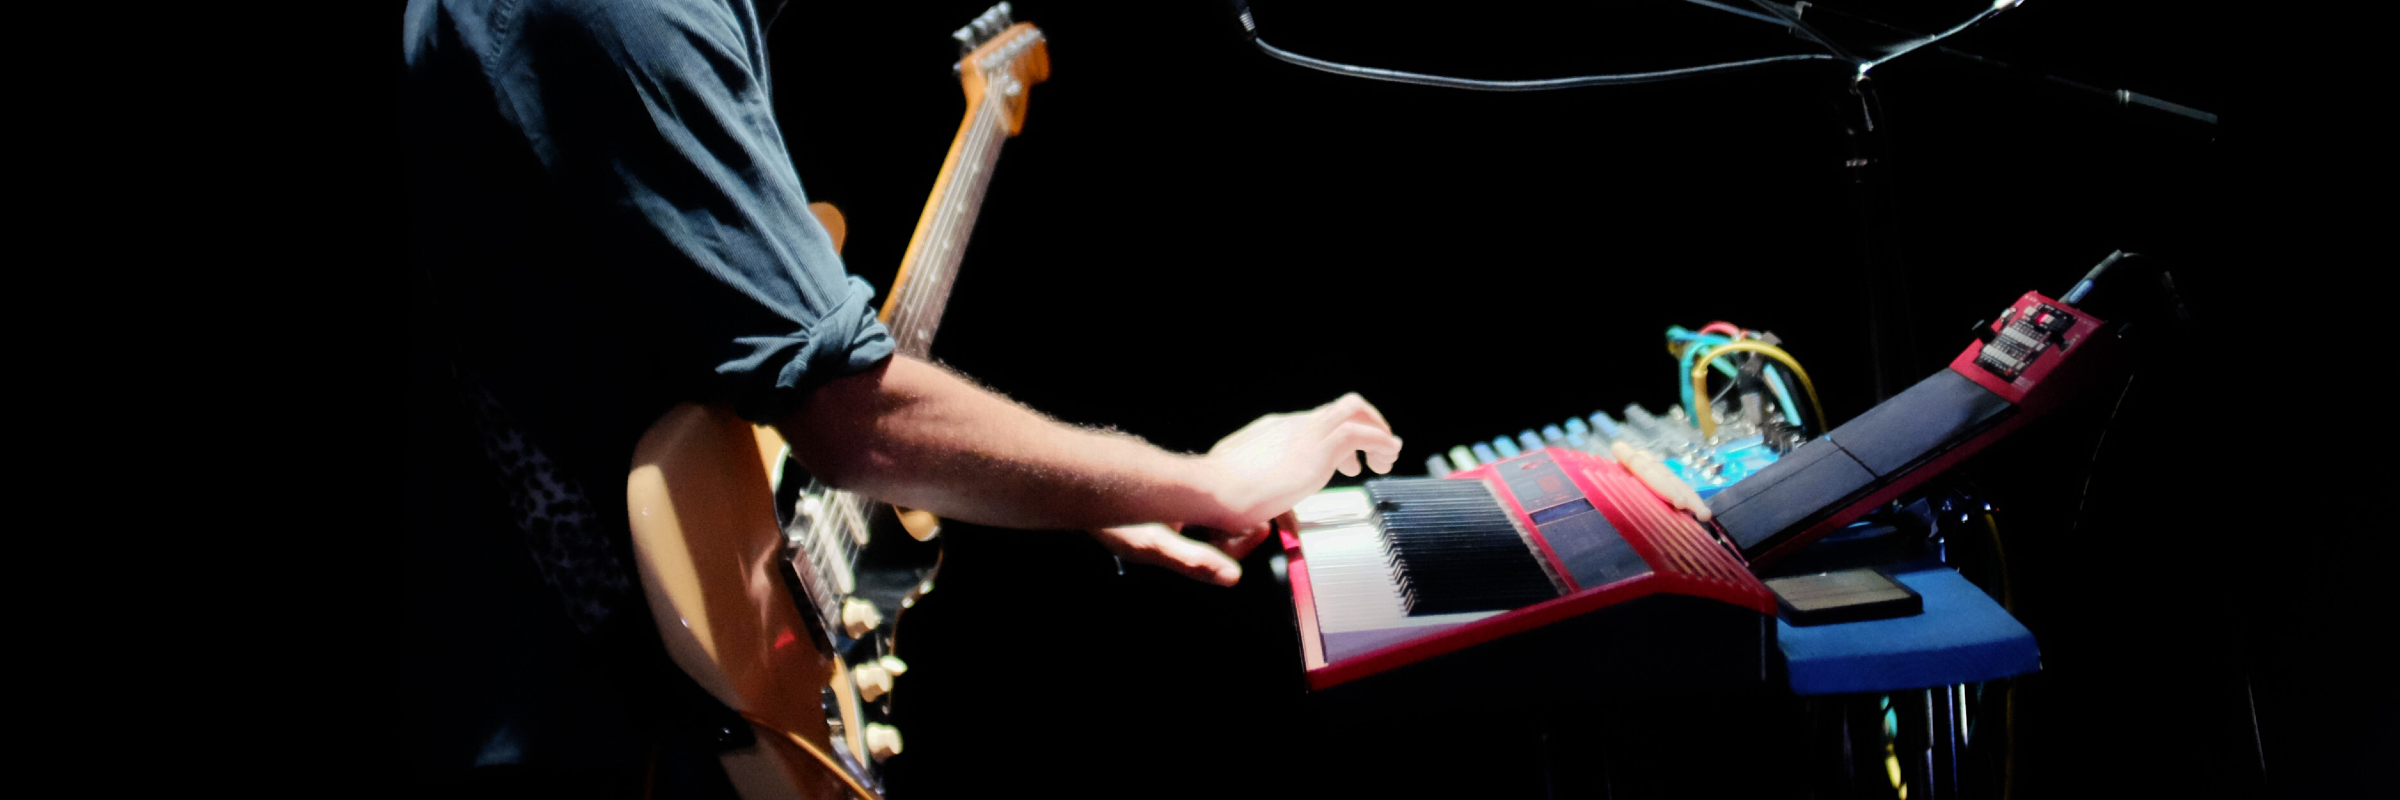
{"x": 939, "y": 298}
{"x": 957, "y": 203}
{"x": 935, "y": 241}
{"x": 988, "y": 158}
{"x": 955, "y": 197}
{"x": 925, "y": 285}
{"x": 977, "y": 148}
{"x": 850, "y": 508}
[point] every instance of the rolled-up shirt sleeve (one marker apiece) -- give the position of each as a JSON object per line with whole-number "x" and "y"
{"x": 653, "y": 118}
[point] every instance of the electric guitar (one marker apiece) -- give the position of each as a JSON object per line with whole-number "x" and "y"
{"x": 784, "y": 600}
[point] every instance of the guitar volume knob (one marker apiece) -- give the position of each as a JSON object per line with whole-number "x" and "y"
{"x": 873, "y": 681}
{"x": 883, "y": 741}
{"x": 859, "y": 617}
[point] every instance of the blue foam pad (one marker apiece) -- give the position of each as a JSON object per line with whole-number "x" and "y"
{"x": 1962, "y": 637}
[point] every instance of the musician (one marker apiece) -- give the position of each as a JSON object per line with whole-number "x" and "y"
{"x": 607, "y": 224}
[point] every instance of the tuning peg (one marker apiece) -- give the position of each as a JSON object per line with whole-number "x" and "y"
{"x": 990, "y": 23}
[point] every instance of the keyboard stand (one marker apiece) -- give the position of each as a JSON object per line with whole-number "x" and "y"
{"x": 1920, "y": 665}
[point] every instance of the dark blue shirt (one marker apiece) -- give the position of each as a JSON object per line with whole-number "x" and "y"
{"x": 611, "y": 221}
{"x": 631, "y": 146}
{"x": 606, "y": 224}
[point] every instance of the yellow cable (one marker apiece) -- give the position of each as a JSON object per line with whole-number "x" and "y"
{"x": 2008, "y": 757}
{"x": 2008, "y": 591}
{"x": 822, "y": 757}
{"x": 1708, "y": 420}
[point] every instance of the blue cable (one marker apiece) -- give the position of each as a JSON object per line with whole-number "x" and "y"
{"x": 1703, "y": 342}
{"x": 1700, "y": 343}
{"x": 1783, "y": 397}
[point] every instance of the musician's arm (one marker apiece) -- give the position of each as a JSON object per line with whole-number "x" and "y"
{"x": 916, "y": 435}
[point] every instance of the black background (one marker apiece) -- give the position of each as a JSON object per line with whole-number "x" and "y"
{"x": 1189, "y": 234}
{"x": 1184, "y": 217}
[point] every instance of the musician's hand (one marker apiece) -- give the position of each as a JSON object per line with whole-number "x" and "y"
{"x": 1166, "y": 546}
{"x": 1272, "y": 463}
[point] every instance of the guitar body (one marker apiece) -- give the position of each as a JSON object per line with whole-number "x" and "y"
{"x": 713, "y": 566}
{"x": 783, "y": 598}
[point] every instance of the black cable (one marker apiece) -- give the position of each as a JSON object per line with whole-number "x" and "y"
{"x": 1953, "y": 31}
{"x": 1250, "y": 32}
{"x": 1543, "y": 84}
{"x": 1791, "y": 19}
{"x": 1738, "y": 12}
{"x": 2123, "y": 99}
{"x": 1786, "y": 16}
{"x": 2075, "y": 295}
{"x": 2092, "y": 469}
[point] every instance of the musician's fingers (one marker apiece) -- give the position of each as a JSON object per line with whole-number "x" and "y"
{"x": 1158, "y": 546}
{"x": 1382, "y": 464}
{"x": 1379, "y": 444}
{"x": 1237, "y": 545}
{"x": 1354, "y": 408}
{"x": 1197, "y": 561}
{"x": 1350, "y": 408}
{"x": 1347, "y": 463}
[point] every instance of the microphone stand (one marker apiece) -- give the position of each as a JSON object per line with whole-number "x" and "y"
{"x": 1891, "y": 326}
{"x": 1932, "y": 764}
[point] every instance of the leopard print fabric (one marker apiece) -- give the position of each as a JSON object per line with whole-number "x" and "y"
{"x": 561, "y": 527}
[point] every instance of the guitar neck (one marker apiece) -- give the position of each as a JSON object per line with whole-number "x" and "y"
{"x": 930, "y": 267}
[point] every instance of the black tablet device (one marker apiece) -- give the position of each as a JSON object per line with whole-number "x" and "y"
{"x": 1848, "y": 595}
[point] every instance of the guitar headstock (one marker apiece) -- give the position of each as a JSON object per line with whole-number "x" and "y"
{"x": 1001, "y": 58}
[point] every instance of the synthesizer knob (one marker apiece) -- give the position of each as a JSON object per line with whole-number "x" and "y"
{"x": 1508, "y": 449}
{"x": 873, "y": 681}
{"x": 1462, "y": 458}
{"x": 1579, "y": 435}
{"x": 859, "y": 617}
{"x": 883, "y": 741}
{"x": 1605, "y": 424}
{"x": 1529, "y": 440}
{"x": 1484, "y": 453}
{"x": 893, "y": 665}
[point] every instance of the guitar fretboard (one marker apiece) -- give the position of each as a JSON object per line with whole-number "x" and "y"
{"x": 913, "y": 312}
{"x": 922, "y": 288}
